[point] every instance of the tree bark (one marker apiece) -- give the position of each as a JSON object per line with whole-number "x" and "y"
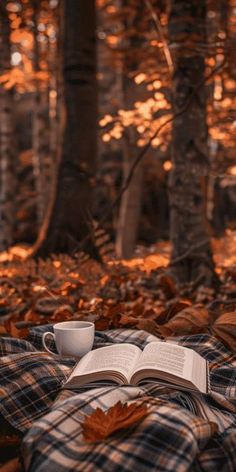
{"x": 40, "y": 135}
{"x": 191, "y": 256}
{"x": 131, "y": 201}
{"x": 56, "y": 102}
{"x": 130, "y": 208}
{"x": 68, "y": 225}
{"x": 7, "y": 157}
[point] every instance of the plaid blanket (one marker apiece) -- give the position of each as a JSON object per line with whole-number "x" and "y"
{"x": 183, "y": 431}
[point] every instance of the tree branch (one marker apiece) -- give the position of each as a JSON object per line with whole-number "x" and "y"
{"x": 159, "y": 29}
{"x": 140, "y": 156}
{"x": 147, "y": 146}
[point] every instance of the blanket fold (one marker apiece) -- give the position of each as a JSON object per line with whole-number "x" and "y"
{"x": 183, "y": 431}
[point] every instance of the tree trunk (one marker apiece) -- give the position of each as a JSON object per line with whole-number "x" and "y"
{"x": 56, "y": 102}
{"x": 7, "y": 164}
{"x": 131, "y": 201}
{"x": 40, "y": 137}
{"x": 191, "y": 256}
{"x": 68, "y": 225}
{"x": 130, "y": 208}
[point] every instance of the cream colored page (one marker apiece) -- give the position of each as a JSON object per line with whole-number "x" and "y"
{"x": 199, "y": 372}
{"x": 168, "y": 358}
{"x": 120, "y": 357}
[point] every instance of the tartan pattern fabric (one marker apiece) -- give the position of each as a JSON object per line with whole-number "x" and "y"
{"x": 183, "y": 431}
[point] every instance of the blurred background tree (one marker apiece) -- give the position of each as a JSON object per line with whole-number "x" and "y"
{"x": 146, "y": 54}
{"x": 7, "y": 146}
{"x": 191, "y": 255}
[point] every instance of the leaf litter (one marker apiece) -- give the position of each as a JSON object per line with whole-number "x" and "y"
{"x": 139, "y": 294}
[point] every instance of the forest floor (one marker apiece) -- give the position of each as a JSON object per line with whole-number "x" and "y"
{"x": 138, "y": 293}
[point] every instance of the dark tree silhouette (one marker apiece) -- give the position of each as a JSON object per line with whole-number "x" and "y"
{"x": 7, "y": 141}
{"x": 191, "y": 256}
{"x": 67, "y": 225}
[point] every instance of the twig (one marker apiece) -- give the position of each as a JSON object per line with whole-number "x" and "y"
{"x": 189, "y": 251}
{"x": 160, "y": 31}
{"x": 6, "y": 281}
{"x": 169, "y": 120}
{"x": 220, "y": 301}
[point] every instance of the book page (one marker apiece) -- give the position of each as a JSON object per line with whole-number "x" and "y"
{"x": 167, "y": 358}
{"x": 200, "y": 372}
{"x": 118, "y": 357}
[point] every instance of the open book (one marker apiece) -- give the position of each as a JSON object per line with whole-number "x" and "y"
{"x": 126, "y": 364}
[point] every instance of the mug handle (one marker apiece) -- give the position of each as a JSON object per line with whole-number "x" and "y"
{"x": 48, "y": 333}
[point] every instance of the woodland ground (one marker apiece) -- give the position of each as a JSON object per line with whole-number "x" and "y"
{"x": 138, "y": 293}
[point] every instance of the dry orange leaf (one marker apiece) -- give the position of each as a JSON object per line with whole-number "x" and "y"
{"x": 31, "y": 315}
{"x": 224, "y": 328}
{"x": 168, "y": 285}
{"x": 15, "y": 332}
{"x": 101, "y": 424}
{"x": 2, "y": 330}
{"x": 190, "y": 320}
{"x": 62, "y": 313}
{"x": 13, "y": 465}
{"x": 104, "y": 280}
{"x": 102, "y": 323}
{"x": 113, "y": 310}
{"x": 171, "y": 311}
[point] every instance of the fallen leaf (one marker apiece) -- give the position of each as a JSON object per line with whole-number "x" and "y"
{"x": 128, "y": 321}
{"x": 115, "y": 309}
{"x": 224, "y": 328}
{"x": 151, "y": 327}
{"x": 15, "y": 332}
{"x": 150, "y": 314}
{"x": 13, "y": 465}
{"x": 101, "y": 424}
{"x": 48, "y": 305}
{"x": 168, "y": 285}
{"x": 138, "y": 309}
{"x": 190, "y": 320}
{"x": 31, "y": 315}
{"x": 102, "y": 323}
{"x": 64, "y": 312}
{"x": 171, "y": 311}
{"x": 104, "y": 280}
{"x": 2, "y": 330}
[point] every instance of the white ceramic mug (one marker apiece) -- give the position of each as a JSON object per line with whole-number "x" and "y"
{"x": 72, "y": 338}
